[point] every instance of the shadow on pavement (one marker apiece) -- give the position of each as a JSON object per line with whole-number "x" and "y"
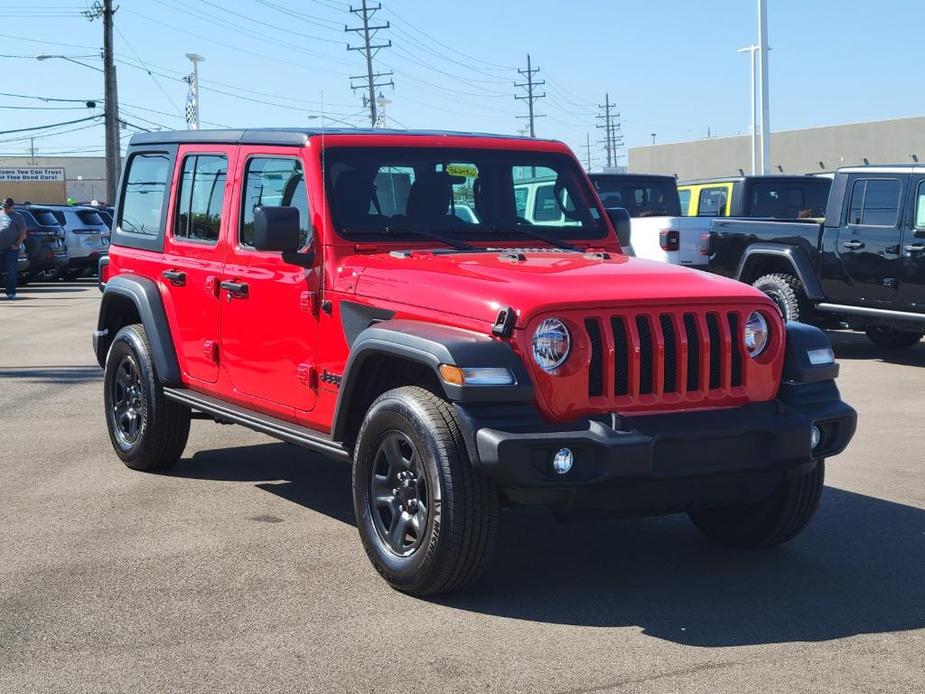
{"x": 858, "y": 568}
{"x": 52, "y": 374}
{"x": 849, "y": 345}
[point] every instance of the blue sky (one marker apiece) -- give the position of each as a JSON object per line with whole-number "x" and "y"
{"x": 671, "y": 67}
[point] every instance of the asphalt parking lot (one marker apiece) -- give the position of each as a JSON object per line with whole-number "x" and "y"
{"x": 241, "y": 569}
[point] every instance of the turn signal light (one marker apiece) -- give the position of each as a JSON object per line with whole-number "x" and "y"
{"x": 476, "y": 376}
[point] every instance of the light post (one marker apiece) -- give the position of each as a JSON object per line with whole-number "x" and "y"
{"x": 764, "y": 116}
{"x": 192, "y": 101}
{"x": 69, "y": 58}
{"x": 754, "y": 126}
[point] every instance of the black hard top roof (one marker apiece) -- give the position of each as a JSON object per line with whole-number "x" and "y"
{"x": 627, "y": 175}
{"x": 286, "y": 136}
{"x": 758, "y": 177}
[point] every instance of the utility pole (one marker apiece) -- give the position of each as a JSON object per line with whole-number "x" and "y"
{"x": 530, "y": 97}
{"x": 192, "y": 99}
{"x": 32, "y": 150}
{"x": 588, "y": 152}
{"x": 103, "y": 9}
{"x": 369, "y": 51}
{"x": 611, "y": 128}
{"x": 764, "y": 116}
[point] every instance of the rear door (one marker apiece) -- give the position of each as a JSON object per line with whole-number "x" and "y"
{"x": 868, "y": 242}
{"x": 912, "y": 279}
{"x": 193, "y": 254}
{"x": 269, "y": 325}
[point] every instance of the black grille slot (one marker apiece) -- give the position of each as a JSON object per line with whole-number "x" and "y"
{"x": 621, "y": 356}
{"x": 693, "y": 352}
{"x": 716, "y": 351}
{"x": 671, "y": 354}
{"x": 645, "y": 355}
{"x": 736, "y": 349}
{"x": 596, "y": 367}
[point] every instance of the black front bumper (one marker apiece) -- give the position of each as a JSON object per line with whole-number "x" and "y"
{"x": 672, "y": 457}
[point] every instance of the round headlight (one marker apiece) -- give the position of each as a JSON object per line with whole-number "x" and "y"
{"x": 756, "y": 334}
{"x": 551, "y": 344}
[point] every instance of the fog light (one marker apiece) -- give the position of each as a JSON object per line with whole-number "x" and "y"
{"x": 815, "y": 437}
{"x": 562, "y": 461}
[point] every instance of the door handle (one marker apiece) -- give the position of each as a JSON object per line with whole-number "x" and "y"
{"x": 915, "y": 248}
{"x": 853, "y": 245}
{"x": 236, "y": 290}
{"x": 176, "y": 278}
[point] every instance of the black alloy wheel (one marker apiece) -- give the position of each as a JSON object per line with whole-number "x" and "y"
{"x": 398, "y": 492}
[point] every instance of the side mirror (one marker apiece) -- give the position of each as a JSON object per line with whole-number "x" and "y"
{"x": 276, "y": 229}
{"x": 620, "y": 219}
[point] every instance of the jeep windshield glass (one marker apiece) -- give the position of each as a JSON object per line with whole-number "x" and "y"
{"x": 474, "y": 196}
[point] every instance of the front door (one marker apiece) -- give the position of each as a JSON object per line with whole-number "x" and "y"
{"x": 912, "y": 278}
{"x": 269, "y": 319}
{"x": 868, "y": 244}
{"x": 193, "y": 254}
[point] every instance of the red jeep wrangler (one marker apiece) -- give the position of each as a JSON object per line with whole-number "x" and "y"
{"x": 380, "y": 297}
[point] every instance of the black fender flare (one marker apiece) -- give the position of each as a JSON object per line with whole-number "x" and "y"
{"x": 796, "y": 257}
{"x": 146, "y": 297}
{"x": 432, "y": 345}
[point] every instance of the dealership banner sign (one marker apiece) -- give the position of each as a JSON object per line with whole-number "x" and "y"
{"x": 31, "y": 174}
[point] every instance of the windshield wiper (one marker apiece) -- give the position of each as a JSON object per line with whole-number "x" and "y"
{"x": 449, "y": 241}
{"x": 539, "y": 236}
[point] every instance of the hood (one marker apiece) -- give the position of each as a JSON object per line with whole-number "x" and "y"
{"x": 477, "y": 285}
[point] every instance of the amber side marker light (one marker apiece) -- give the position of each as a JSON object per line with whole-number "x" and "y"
{"x": 476, "y": 376}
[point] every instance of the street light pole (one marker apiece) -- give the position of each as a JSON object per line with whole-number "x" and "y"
{"x": 754, "y": 122}
{"x": 764, "y": 114}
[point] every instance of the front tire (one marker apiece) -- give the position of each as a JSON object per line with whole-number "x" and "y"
{"x": 769, "y": 522}
{"x": 893, "y": 338}
{"x": 148, "y": 431}
{"x": 787, "y": 292}
{"x": 426, "y": 516}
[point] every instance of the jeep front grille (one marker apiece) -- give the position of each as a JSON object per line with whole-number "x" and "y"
{"x": 664, "y": 356}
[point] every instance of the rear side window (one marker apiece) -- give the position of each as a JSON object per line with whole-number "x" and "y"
{"x": 874, "y": 202}
{"x": 143, "y": 199}
{"x": 200, "y": 198}
{"x": 642, "y": 197}
{"x": 685, "y": 197}
{"x": 920, "y": 207}
{"x": 273, "y": 182}
{"x": 46, "y": 218}
{"x": 90, "y": 217}
{"x": 545, "y": 208}
{"x": 712, "y": 202}
{"x": 789, "y": 200}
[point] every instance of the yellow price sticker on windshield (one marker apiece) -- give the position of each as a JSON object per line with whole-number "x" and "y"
{"x": 467, "y": 170}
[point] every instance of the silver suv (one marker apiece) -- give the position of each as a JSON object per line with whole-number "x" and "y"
{"x": 86, "y": 235}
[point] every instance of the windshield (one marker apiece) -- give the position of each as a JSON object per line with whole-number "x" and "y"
{"x": 472, "y": 195}
{"x": 642, "y": 197}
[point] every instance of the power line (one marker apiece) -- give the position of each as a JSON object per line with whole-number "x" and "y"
{"x": 530, "y": 97}
{"x": 369, "y": 51}
{"x": 50, "y": 125}
{"x": 150, "y": 74}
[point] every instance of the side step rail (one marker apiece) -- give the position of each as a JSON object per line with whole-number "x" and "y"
{"x": 265, "y": 424}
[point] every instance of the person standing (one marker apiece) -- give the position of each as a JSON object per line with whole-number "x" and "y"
{"x": 12, "y": 234}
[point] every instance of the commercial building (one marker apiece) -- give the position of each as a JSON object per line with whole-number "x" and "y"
{"x": 53, "y": 179}
{"x": 812, "y": 150}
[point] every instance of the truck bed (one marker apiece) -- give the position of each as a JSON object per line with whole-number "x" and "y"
{"x": 731, "y": 237}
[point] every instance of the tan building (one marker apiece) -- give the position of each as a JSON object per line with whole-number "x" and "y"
{"x": 53, "y": 179}
{"x": 813, "y": 150}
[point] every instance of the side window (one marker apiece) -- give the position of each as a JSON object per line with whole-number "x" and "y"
{"x": 545, "y": 208}
{"x": 712, "y": 202}
{"x": 920, "y": 207}
{"x": 274, "y": 182}
{"x": 200, "y": 198}
{"x": 685, "y": 196}
{"x": 146, "y": 188}
{"x": 875, "y": 202}
{"x": 520, "y": 200}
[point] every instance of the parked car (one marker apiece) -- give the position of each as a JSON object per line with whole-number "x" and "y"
{"x": 44, "y": 243}
{"x": 258, "y": 277}
{"x": 659, "y": 232}
{"x": 87, "y": 236}
{"x": 773, "y": 196}
{"x": 864, "y": 265}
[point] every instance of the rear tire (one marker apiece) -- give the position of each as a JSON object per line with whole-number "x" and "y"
{"x": 148, "y": 431}
{"x": 426, "y": 516}
{"x": 787, "y": 292}
{"x": 772, "y": 521}
{"x": 71, "y": 274}
{"x": 893, "y": 338}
